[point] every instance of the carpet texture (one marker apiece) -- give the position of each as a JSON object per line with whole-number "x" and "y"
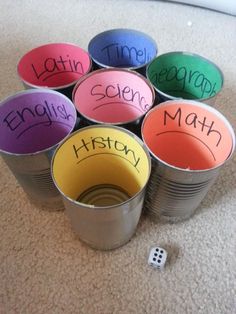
{"x": 44, "y": 268}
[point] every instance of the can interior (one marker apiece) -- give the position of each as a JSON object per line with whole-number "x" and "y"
{"x": 113, "y": 96}
{"x": 100, "y": 162}
{"x": 34, "y": 121}
{"x": 54, "y": 65}
{"x": 122, "y": 48}
{"x": 182, "y": 75}
{"x": 187, "y": 135}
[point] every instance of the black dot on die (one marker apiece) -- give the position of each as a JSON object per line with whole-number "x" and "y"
{"x": 160, "y": 256}
{"x": 154, "y": 259}
{"x": 157, "y": 250}
{"x": 155, "y": 254}
{"x": 159, "y": 261}
{"x": 161, "y": 252}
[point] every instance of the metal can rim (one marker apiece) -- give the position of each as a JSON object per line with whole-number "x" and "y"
{"x": 91, "y": 207}
{"x": 111, "y": 69}
{"x": 113, "y": 30}
{"x": 32, "y": 91}
{"x": 198, "y": 104}
{"x": 54, "y": 87}
{"x": 187, "y": 54}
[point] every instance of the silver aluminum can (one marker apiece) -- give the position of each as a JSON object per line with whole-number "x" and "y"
{"x": 189, "y": 142}
{"x": 101, "y": 173}
{"x": 33, "y": 123}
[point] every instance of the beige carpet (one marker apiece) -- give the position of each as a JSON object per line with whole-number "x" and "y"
{"x": 44, "y": 268}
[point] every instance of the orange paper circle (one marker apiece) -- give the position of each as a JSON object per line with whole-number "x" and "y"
{"x": 188, "y": 135}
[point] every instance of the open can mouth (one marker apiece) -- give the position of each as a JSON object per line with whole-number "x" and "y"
{"x": 54, "y": 66}
{"x": 113, "y": 96}
{"x": 122, "y": 48}
{"x": 185, "y": 75}
{"x": 188, "y": 135}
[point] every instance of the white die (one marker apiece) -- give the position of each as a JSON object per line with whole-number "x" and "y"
{"x": 157, "y": 257}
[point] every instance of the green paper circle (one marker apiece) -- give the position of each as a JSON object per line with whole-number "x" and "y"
{"x": 185, "y": 75}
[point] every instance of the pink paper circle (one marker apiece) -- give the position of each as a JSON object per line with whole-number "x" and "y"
{"x": 113, "y": 96}
{"x": 54, "y": 65}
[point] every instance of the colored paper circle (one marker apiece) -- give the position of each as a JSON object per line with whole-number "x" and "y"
{"x": 55, "y": 65}
{"x": 97, "y": 155}
{"x": 113, "y": 96}
{"x": 124, "y": 48}
{"x": 188, "y": 135}
{"x": 35, "y": 120}
{"x": 184, "y": 75}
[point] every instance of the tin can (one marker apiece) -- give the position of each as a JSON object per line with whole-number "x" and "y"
{"x": 57, "y": 66}
{"x": 101, "y": 173}
{"x": 114, "y": 96}
{"x": 122, "y": 48}
{"x": 33, "y": 122}
{"x": 185, "y": 75}
{"x": 189, "y": 142}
